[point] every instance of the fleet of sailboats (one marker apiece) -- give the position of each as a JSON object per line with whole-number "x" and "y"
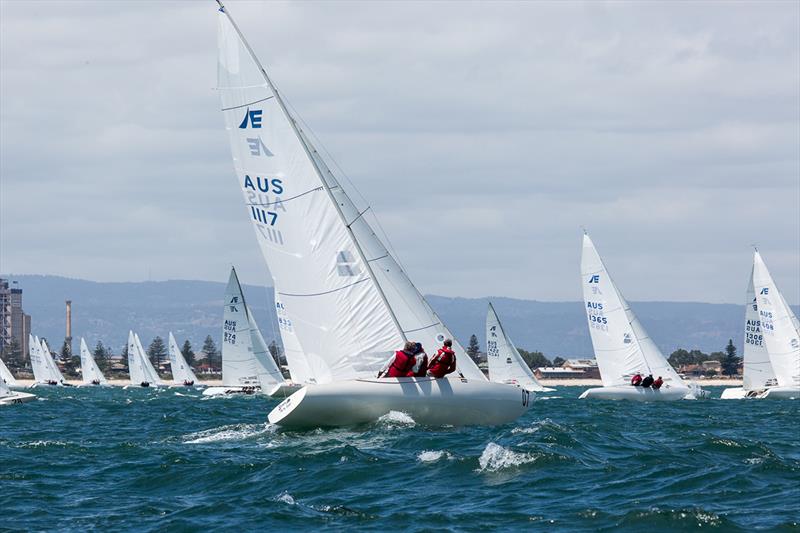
{"x": 142, "y": 372}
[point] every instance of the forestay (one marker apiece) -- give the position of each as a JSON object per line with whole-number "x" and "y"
{"x": 89, "y": 369}
{"x": 506, "y": 365}
{"x": 245, "y": 361}
{"x": 5, "y": 374}
{"x": 181, "y": 371}
{"x": 757, "y": 373}
{"x": 349, "y": 301}
{"x": 621, "y": 345}
{"x": 780, "y": 331}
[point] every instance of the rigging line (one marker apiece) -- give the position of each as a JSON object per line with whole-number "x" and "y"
{"x": 423, "y": 327}
{"x": 283, "y": 201}
{"x": 326, "y": 292}
{"x": 247, "y": 105}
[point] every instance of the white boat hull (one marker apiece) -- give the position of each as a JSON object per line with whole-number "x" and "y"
{"x": 429, "y": 401}
{"x": 736, "y": 393}
{"x": 17, "y": 397}
{"x": 637, "y": 394}
{"x": 782, "y": 393}
{"x": 227, "y": 391}
{"x": 287, "y": 389}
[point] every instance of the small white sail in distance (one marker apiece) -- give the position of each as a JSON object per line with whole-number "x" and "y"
{"x": 300, "y": 368}
{"x": 182, "y": 373}
{"x": 41, "y": 373}
{"x": 622, "y": 346}
{"x": 89, "y": 369}
{"x": 780, "y": 332}
{"x": 5, "y": 374}
{"x": 350, "y": 303}
{"x": 52, "y": 369}
{"x": 506, "y": 365}
{"x": 135, "y": 365}
{"x": 758, "y": 373}
{"x": 4, "y": 390}
{"x": 151, "y": 374}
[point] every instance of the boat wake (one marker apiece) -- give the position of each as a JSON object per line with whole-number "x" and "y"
{"x": 431, "y": 456}
{"x": 496, "y": 458}
{"x": 233, "y": 432}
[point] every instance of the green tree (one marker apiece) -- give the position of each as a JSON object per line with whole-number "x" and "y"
{"x": 187, "y": 352}
{"x": 124, "y": 354}
{"x": 534, "y": 359}
{"x": 558, "y": 361}
{"x": 212, "y": 354}
{"x": 157, "y": 351}
{"x": 730, "y": 362}
{"x": 100, "y": 356}
{"x": 473, "y": 349}
{"x": 70, "y": 364}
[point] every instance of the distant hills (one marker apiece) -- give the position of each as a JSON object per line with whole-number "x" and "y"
{"x": 193, "y": 309}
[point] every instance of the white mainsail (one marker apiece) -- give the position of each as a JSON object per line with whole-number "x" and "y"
{"x": 53, "y": 373}
{"x": 780, "y": 331}
{"x": 506, "y": 365}
{"x": 41, "y": 373}
{"x": 757, "y": 373}
{"x": 300, "y": 368}
{"x": 135, "y": 366}
{"x": 621, "y": 345}
{"x": 348, "y": 300}
{"x": 246, "y": 361}
{"x": 5, "y": 375}
{"x": 89, "y": 369}
{"x": 181, "y": 371}
{"x": 150, "y": 372}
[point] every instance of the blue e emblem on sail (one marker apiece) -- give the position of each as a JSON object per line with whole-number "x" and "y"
{"x": 253, "y": 117}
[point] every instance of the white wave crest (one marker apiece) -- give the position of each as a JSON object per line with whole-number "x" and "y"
{"x": 496, "y": 457}
{"x": 286, "y": 498}
{"x": 431, "y": 456}
{"x": 229, "y": 433}
{"x": 397, "y": 418}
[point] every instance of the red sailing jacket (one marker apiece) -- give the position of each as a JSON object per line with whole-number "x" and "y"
{"x": 402, "y": 366}
{"x": 442, "y": 363}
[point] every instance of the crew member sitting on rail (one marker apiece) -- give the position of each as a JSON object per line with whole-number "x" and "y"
{"x": 420, "y": 361}
{"x": 401, "y": 365}
{"x": 646, "y": 382}
{"x": 657, "y": 383}
{"x": 444, "y": 362}
{"x": 636, "y": 380}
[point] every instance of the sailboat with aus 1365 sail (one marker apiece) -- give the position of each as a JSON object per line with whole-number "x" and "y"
{"x": 350, "y": 303}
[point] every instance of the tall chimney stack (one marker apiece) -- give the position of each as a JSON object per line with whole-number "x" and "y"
{"x": 68, "y": 338}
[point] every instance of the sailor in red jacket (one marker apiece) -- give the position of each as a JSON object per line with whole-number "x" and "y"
{"x": 636, "y": 380}
{"x": 444, "y": 362}
{"x": 402, "y": 364}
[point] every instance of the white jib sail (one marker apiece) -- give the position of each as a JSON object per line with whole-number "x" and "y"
{"x": 5, "y": 374}
{"x": 243, "y": 362}
{"x": 779, "y": 330}
{"x": 89, "y": 369}
{"x": 758, "y": 373}
{"x": 319, "y": 249}
{"x": 150, "y": 372}
{"x": 506, "y": 365}
{"x": 40, "y": 371}
{"x": 621, "y": 345}
{"x": 181, "y": 371}
{"x": 54, "y": 374}
{"x": 135, "y": 364}
{"x": 300, "y": 368}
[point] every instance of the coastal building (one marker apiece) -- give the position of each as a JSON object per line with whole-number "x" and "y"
{"x": 15, "y": 324}
{"x": 587, "y": 366}
{"x": 558, "y": 372}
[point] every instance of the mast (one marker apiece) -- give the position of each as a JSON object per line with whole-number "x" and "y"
{"x": 325, "y": 185}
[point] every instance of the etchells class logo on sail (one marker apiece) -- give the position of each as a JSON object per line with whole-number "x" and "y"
{"x": 595, "y": 278}
{"x": 251, "y": 119}
{"x": 264, "y": 197}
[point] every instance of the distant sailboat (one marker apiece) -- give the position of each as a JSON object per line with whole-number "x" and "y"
{"x": 506, "y": 365}
{"x": 622, "y": 347}
{"x": 758, "y": 374}
{"x": 781, "y": 332}
{"x": 89, "y": 370}
{"x": 350, "y": 303}
{"x": 140, "y": 368}
{"x": 9, "y": 397}
{"x": 5, "y": 375}
{"x": 182, "y": 373}
{"x": 247, "y": 365}
{"x": 45, "y": 371}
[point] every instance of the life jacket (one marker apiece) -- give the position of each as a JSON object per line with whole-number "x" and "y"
{"x": 442, "y": 363}
{"x": 420, "y": 368}
{"x": 402, "y": 365}
{"x": 636, "y": 380}
{"x": 657, "y": 383}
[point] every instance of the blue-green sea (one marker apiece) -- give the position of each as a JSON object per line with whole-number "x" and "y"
{"x": 153, "y": 460}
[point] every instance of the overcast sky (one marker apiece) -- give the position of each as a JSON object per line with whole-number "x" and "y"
{"x": 483, "y": 135}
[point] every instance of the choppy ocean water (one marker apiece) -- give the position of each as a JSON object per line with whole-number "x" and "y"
{"x": 117, "y": 459}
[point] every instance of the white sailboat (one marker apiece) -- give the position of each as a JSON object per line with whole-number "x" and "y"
{"x": 781, "y": 332}
{"x": 89, "y": 370}
{"x": 10, "y": 397}
{"x": 247, "y": 365}
{"x": 350, "y": 303}
{"x": 6, "y": 376}
{"x": 758, "y": 374}
{"x": 506, "y": 365}
{"x": 622, "y": 346}
{"x": 182, "y": 373}
{"x": 140, "y": 368}
{"x": 45, "y": 371}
